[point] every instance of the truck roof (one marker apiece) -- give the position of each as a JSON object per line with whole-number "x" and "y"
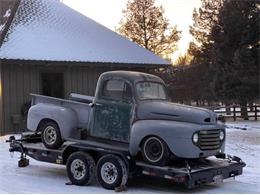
{"x": 132, "y": 76}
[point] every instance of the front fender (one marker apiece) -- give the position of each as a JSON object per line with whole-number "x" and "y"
{"x": 66, "y": 118}
{"x": 177, "y": 135}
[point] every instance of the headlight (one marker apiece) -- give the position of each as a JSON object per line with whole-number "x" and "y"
{"x": 221, "y": 135}
{"x": 195, "y": 137}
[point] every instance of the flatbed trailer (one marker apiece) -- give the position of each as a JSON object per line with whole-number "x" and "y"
{"x": 114, "y": 165}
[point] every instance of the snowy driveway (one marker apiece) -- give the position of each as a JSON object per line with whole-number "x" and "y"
{"x": 47, "y": 178}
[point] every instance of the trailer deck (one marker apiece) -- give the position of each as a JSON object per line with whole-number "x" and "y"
{"x": 187, "y": 172}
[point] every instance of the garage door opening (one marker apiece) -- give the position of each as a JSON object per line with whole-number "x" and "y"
{"x": 52, "y": 84}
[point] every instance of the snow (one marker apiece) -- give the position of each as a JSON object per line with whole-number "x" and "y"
{"x": 7, "y": 13}
{"x": 2, "y": 27}
{"x": 243, "y": 140}
{"x": 49, "y": 30}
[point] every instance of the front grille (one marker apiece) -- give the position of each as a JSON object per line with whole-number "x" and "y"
{"x": 209, "y": 140}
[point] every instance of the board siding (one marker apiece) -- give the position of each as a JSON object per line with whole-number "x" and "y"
{"x": 21, "y": 80}
{"x": 18, "y": 82}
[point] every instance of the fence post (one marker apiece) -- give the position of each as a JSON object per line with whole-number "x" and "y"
{"x": 234, "y": 113}
{"x": 255, "y": 112}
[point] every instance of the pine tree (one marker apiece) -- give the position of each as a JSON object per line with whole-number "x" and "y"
{"x": 204, "y": 19}
{"x": 183, "y": 59}
{"x": 145, "y": 24}
{"x": 201, "y": 49}
{"x": 236, "y": 52}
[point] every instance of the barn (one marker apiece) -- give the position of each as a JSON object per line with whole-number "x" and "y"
{"x": 50, "y": 49}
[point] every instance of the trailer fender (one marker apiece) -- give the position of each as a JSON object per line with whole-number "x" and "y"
{"x": 65, "y": 118}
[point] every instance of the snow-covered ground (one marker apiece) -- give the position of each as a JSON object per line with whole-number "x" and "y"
{"x": 243, "y": 140}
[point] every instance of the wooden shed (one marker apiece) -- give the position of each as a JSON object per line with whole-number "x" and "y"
{"x": 48, "y": 48}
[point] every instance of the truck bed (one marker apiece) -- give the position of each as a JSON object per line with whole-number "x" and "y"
{"x": 81, "y": 108}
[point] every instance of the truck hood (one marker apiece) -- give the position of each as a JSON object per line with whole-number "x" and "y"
{"x": 160, "y": 110}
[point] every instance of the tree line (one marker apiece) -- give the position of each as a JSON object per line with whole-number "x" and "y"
{"x": 222, "y": 62}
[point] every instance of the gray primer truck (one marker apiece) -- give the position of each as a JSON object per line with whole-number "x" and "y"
{"x": 130, "y": 108}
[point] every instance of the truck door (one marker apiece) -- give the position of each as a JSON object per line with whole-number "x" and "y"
{"x": 113, "y": 111}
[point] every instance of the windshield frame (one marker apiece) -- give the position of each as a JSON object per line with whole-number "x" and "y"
{"x": 161, "y": 83}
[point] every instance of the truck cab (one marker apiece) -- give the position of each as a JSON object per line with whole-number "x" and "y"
{"x": 117, "y": 98}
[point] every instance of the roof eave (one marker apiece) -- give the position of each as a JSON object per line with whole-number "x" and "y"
{"x": 81, "y": 63}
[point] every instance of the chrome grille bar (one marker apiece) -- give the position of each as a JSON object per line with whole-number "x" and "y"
{"x": 209, "y": 140}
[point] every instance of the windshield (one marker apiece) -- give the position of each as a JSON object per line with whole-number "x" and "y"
{"x": 150, "y": 90}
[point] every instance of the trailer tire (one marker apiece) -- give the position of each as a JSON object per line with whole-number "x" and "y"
{"x": 51, "y": 136}
{"x": 111, "y": 172}
{"x": 155, "y": 151}
{"x": 80, "y": 168}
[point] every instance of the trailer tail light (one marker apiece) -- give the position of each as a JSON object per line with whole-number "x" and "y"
{"x": 176, "y": 179}
{"x": 148, "y": 173}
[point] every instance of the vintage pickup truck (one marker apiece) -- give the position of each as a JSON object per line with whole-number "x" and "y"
{"x": 130, "y": 108}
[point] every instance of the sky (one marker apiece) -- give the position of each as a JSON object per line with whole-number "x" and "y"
{"x": 109, "y": 13}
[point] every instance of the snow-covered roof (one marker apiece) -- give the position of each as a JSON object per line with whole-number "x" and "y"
{"x": 51, "y": 31}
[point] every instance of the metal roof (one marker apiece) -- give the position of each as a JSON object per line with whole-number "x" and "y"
{"x": 48, "y": 30}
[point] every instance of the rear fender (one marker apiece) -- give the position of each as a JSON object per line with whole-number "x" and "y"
{"x": 66, "y": 118}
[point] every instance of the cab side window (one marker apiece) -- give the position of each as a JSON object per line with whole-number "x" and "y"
{"x": 116, "y": 89}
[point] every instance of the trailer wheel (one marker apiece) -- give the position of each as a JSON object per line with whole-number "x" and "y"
{"x": 111, "y": 172}
{"x": 155, "y": 151}
{"x": 80, "y": 168}
{"x": 51, "y": 136}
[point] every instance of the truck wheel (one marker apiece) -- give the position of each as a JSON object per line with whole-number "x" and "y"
{"x": 80, "y": 168}
{"x": 155, "y": 151}
{"x": 51, "y": 136}
{"x": 111, "y": 172}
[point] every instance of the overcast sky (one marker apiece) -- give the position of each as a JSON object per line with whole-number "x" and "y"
{"x": 109, "y": 13}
